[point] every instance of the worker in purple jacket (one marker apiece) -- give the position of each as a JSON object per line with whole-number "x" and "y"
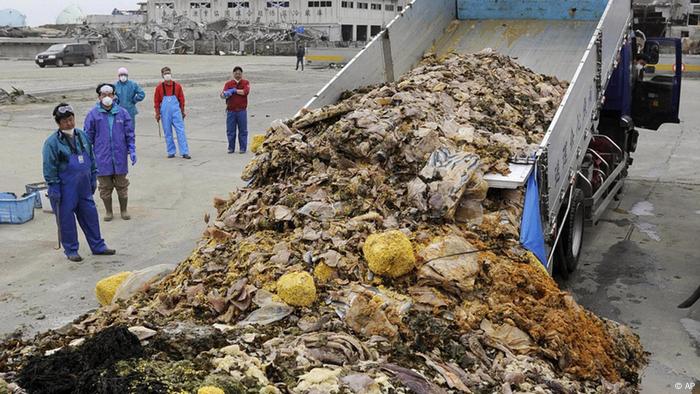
{"x": 110, "y": 130}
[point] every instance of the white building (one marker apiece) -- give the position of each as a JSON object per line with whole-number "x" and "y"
{"x": 350, "y": 20}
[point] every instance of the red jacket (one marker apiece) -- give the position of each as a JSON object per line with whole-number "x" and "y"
{"x": 168, "y": 89}
{"x": 237, "y": 102}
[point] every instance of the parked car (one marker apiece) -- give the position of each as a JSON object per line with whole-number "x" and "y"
{"x": 66, "y": 54}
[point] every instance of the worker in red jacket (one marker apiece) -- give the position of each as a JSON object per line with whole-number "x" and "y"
{"x": 236, "y": 95}
{"x": 169, "y": 103}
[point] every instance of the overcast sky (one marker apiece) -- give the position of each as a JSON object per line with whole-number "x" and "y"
{"x": 42, "y": 12}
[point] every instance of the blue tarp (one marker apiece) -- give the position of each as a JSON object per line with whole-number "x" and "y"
{"x": 531, "y": 235}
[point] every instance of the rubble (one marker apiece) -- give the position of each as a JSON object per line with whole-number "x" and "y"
{"x": 180, "y": 34}
{"x": 17, "y": 96}
{"x": 475, "y": 313}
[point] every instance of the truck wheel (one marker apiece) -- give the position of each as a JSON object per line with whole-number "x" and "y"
{"x": 42, "y": 65}
{"x": 59, "y": 62}
{"x": 571, "y": 240}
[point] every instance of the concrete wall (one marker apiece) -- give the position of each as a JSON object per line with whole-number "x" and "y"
{"x": 28, "y": 48}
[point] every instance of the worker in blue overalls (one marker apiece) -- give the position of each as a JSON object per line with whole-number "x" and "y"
{"x": 169, "y": 103}
{"x": 71, "y": 173}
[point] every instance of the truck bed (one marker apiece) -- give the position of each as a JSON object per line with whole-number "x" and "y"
{"x": 532, "y": 43}
{"x": 574, "y": 40}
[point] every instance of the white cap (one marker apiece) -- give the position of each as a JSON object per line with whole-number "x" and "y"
{"x": 123, "y": 71}
{"x": 106, "y": 89}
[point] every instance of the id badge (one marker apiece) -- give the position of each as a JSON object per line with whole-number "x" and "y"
{"x": 81, "y": 160}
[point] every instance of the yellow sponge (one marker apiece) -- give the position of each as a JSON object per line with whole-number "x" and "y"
{"x": 257, "y": 143}
{"x": 210, "y": 390}
{"x": 105, "y": 288}
{"x": 389, "y": 254}
{"x": 297, "y": 288}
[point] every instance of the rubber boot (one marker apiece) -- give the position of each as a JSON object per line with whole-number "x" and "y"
{"x": 122, "y": 208}
{"x": 108, "y": 209}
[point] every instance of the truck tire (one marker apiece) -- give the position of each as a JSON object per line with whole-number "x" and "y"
{"x": 59, "y": 62}
{"x": 571, "y": 240}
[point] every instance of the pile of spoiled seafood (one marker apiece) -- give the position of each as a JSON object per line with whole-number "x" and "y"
{"x": 366, "y": 255}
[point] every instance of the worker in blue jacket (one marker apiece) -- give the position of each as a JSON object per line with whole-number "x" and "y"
{"x": 128, "y": 93}
{"x": 71, "y": 174}
{"x": 111, "y": 132}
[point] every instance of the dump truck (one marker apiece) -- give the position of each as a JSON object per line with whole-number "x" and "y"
{"x": 582, "y": 162}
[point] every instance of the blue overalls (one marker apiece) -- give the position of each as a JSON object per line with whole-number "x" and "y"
{"x": 77, "y": 202}
{"x": 171, "y": 115}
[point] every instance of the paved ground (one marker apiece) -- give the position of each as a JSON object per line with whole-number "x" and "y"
{"x": 641, "y": 260}
{"x": 39, "y": 288}
{"x": 637, "y": 265}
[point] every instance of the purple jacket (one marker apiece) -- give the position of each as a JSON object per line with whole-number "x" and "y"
{"x": 112, "y": 137}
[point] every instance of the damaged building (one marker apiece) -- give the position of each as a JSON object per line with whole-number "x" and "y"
{"x": 338, "y": 20}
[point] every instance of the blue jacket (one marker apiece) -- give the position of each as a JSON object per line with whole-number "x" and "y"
{"x": 112, "y": 137}
{"x": 129, "y": 93}
{"x": 57, "y": 152}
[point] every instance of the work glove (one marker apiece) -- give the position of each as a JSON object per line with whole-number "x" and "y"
{"x": 93, "y": 183}
{"x": 55, "y": 193}
{"x": 132, "y": 155}
{"x": 230, "y": 92}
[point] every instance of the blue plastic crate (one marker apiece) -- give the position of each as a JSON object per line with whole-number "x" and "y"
{"x": 36, "y": 188}
{"x": 15, "y": 210}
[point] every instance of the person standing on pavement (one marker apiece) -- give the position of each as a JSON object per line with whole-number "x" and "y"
{"x": 71, "y": 173}
{"x": 236, "y": 95}
{"x": 111, "y": 131}
{"x": 169, "y": 103}
{"x": 129, "y": 93}
{"x": 301, "y": 52}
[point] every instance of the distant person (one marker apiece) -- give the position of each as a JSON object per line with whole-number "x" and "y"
{"x": 169, "y": 103}
{"x": 70, "y": 172}
{"x": 129, "y": 93}
{"x": 301, "y": 52}
{"x": 111, "y": 132}
{"x": 236, "y": 95}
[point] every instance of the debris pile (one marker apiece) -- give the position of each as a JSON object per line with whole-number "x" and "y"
{"x": 178, "y": 33}
{"x": 17, "y": 96}
{"x": 368, "y": 255}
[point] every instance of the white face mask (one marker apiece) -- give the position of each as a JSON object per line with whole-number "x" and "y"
{"x": 123, "y": 78}
{"x": 107, "y": 101}
{"x": 68, "y": 132}
{"x": 168, "y": 77}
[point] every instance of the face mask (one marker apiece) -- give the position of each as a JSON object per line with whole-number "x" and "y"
{"x": 123, "y": 78}
{"x": 107, "y": 101}
{"x": 167, "y": 77}
{"x": 68, "y": 132}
